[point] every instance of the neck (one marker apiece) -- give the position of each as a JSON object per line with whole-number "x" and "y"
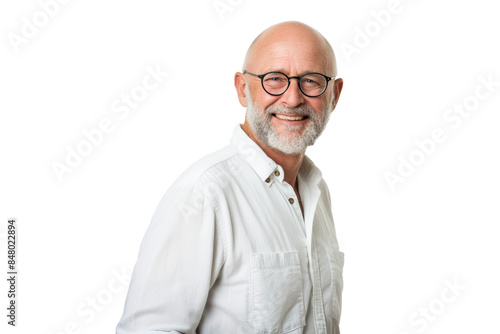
{"x": 290, "y": 163}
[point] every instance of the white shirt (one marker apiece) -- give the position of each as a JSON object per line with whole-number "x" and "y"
{"x": 229, "y": 252}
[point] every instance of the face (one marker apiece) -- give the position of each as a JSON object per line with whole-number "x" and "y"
{"x": 292, "y": 121}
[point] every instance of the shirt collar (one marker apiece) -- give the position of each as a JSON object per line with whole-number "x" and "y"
{"x": 267, "y": 170}
{"x": 265, "y": 167}
{"x": 309, "y": 172}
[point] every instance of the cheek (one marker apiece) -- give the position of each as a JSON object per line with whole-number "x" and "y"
{"x": 325, "y": 104}
{"x": 264, "y": 100}
{"x": 319, "y": 105}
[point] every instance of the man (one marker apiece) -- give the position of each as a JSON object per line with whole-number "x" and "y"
{"x": 244, "y": 241}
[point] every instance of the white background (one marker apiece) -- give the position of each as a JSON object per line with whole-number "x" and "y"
{"x": 402, "y": 245}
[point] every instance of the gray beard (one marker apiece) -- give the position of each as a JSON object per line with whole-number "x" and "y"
{"x": 293, "y": 142}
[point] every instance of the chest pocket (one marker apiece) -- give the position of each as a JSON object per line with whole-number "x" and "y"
{"x": 276, "y": 293}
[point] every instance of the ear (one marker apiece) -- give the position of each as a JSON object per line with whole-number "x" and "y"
{"x": 240, "y": 84}
{"x": 337, "y": 88}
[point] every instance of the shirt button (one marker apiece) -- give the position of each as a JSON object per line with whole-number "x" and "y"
{"x": 268, "y": 180}
{"x": 291, "y": 200}
{"x": 277, "y": 173}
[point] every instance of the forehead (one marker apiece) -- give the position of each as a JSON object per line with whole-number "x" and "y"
{"x": 291, "y": 56}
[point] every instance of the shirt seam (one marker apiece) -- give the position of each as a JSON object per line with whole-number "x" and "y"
{"x": 221, "y": 230}
{"x": 221, "y": 233}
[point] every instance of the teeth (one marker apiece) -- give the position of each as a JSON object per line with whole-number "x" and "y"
{"x": 290, "y": 118}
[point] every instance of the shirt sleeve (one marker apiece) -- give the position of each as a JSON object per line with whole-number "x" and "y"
{"x": 179, "y": 260}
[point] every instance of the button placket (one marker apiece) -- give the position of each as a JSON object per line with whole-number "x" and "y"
{"x": 293, "y": 201}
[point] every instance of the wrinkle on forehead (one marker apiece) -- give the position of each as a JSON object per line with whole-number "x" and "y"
{"x": 281, "y": 40}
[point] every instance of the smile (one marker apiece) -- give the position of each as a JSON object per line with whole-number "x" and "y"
{"x": 290, "y": 117}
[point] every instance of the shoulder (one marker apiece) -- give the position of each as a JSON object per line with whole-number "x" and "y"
{"x": 210, "y": 165}
{"x": 209, "y": 171}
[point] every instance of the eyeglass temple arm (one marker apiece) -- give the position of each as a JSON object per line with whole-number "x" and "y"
{"x": 255, "y": 75}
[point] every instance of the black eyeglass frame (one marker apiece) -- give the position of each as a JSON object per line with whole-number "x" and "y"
{"x": 261, "y": 77}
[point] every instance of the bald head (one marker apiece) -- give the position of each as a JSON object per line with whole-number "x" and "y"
{"x": 293, "y": 36}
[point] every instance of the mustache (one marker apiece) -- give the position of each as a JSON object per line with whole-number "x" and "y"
{"x": 303, "y": 111}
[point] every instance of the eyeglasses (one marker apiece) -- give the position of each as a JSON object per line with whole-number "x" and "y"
{"x": 276, "y": 83}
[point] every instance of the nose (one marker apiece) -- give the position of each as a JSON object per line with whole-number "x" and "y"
{"x": 293, "y": 97}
